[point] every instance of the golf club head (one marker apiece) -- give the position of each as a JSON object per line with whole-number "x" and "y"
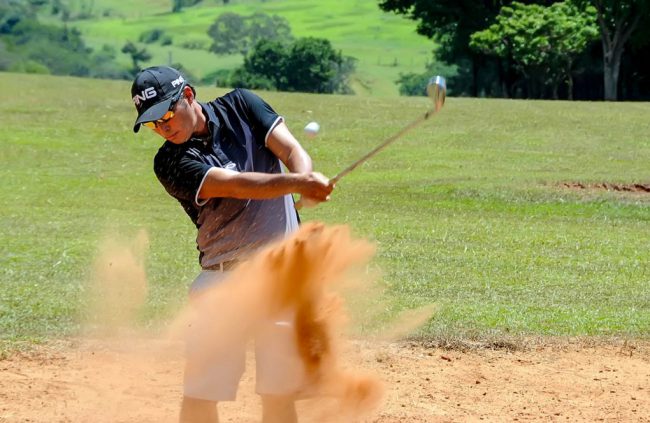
{"x": 437, "y": 91}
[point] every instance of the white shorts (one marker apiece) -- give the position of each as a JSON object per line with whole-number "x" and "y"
{"x": 279, "y": 370}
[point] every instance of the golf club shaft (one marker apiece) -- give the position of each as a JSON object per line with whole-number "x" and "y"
{"x": 383, "y": 145}
{"x": 376, "y": 150}
{"x": 436, "y": 91}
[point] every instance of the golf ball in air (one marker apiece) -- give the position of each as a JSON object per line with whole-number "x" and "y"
{"x": 311, "y": 129}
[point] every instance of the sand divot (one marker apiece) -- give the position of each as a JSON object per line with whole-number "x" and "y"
{"x": 304, "y": 273}
{"x": 299, "y": 273}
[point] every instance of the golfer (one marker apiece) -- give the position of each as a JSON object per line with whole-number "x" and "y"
{"x": 222, "y": 161}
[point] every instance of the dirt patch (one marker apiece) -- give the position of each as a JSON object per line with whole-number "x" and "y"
{"x": 607, "y": 186}
{"x": 140, "y": 381}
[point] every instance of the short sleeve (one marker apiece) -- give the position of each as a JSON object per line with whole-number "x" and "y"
{"x": 180, "y": 174}
{"x": 260, "y": 112}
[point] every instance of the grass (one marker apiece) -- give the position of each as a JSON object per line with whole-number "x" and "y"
{"x": 466, "y": 210}
{"x": 384, "y": 44}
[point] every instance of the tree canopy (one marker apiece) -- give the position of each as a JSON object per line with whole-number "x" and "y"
{"x": 178, "y": 5}
{"x": 541, "y": 42}
{"x": 451, "y": 23}
{"x": 620, "y": 23}
{"x": 234, "y": 33}
{"x": 307, "y": 65}
{"x": 28, "y": 45}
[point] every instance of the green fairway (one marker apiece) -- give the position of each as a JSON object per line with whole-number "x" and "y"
{"x": 384, "y": 44}
{"x": 467, "y": 211}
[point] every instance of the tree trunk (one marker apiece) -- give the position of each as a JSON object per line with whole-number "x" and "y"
{"x": 569, "y": 79}
{"x": 554, "y": 91}
{"x": 614, "y": 40}
{"x": 611, "y": 69}
{"x": 503, "y": 79}
{"x": 474, "y": 76}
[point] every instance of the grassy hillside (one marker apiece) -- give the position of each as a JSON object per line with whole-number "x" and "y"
{"x": 384, "y": 44}
{"x": 466, "y": 211}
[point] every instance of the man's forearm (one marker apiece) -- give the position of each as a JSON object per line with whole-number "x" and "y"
{"x": 248, "y": 185}
{"x": 260, "y": 186}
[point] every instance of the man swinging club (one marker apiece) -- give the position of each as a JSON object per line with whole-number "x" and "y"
{"x": 221, "y": 161}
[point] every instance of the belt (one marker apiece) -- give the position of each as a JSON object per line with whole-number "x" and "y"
{"x": 224, "y": 265}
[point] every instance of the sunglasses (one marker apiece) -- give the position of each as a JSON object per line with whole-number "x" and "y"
{"x": 167, "y": 116}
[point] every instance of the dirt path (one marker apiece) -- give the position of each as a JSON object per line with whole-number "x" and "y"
{"x": 102, "y": 381}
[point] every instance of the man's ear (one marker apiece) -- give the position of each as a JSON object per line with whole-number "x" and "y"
{"x": 188, "y": 93}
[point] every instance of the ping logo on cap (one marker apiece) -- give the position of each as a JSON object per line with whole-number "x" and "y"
{"x": 151, "y": 92}
{"x": 178, "y": 81}
{"x": 144, "y": 95}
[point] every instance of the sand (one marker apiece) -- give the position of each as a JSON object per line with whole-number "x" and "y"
{"x": 139, "y": 381}
{"x": 107, "y": 376}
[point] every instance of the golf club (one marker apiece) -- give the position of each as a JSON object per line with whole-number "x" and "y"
{"x": 436, "y": 91}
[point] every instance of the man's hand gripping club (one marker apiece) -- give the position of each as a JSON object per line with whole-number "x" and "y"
{"x": 318, "y": 190}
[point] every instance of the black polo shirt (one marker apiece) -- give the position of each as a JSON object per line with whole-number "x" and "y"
{"x": 239, "y": 123}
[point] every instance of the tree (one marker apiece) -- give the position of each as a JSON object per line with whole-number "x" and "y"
{"x": 618, "y": 21}
{"x": 155, "y": 35}
{"x": 541, "y": 42}
{"x": 233, "y": 33}
{"x": 137, "y": 55}
{"x": 450, "y": 23}
{"x": 58, "y": 8}
{"x": 12, "y": 12}
{"x": 241, "y": 77}
{"x": 30, "y": 46}
{"x": 61, "y": 50}
{"x": 413, "y": 84}
{"x": 268, "y": 58}
{"x": 6, "y": 57}
{"x": 340, "y": 82}
{"x": 307, "y": 65}
{"x": 311, "y": 66}
{"x": 105, "y": 66}
{"x": 228, "y": 33}
{"x": 261, "y": 26}
{"x": 178, "y": 5}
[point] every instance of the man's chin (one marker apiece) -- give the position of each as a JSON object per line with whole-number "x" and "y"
{"x": 176, "y": 138}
